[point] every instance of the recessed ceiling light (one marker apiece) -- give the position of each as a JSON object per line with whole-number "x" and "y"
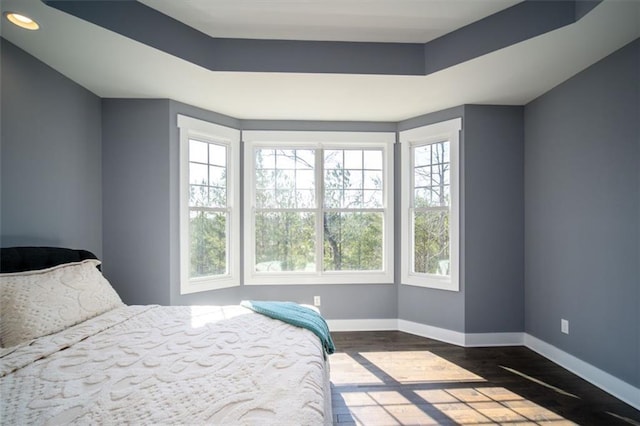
{"x": 22, "y": 21}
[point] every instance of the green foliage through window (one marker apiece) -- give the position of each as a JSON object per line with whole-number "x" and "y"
{"x": 207, "y": 209}
{"x": 208, "y": 231}
{"x": 431, "y": 242}
{"x": 350, "y": 209}
{"x": 431, "y": 187}
{"x": 285, "y": 241}
{"x": 352, "y": 241}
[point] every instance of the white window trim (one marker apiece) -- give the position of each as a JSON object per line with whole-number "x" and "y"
{"x": 324, "y": 140}
{"x": 443, "y": 131}
{"x": 202, "y": 130}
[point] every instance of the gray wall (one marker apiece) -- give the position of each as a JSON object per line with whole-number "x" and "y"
{"x": 494, "y": 219}
{"x": 136, "y": 215}
{"x": 582, "y": 211}
{"x": 50, "y": 171}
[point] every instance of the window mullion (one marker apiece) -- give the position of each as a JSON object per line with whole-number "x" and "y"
{"x": 412, "y": 182}
{"x": 319, "y": 165}
{"x": 431, "y": 209}
{"x": 210, "y": 209}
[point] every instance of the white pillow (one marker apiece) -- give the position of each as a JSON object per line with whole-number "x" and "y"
{"x": 38, "y": 303}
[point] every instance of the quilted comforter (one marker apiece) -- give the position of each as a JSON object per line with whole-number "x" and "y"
{"x": 169, "y": 365}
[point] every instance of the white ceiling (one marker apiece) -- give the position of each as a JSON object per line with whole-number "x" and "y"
{"x": 406, "y": 21}
{"x": 111, "y": 65}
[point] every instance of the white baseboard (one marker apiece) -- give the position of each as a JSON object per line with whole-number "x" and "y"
{"x": 605, "y": 381}
{"x": 383, "y": 324}
{"x": 493, "y": 339}
{"x": 431, "y": 332}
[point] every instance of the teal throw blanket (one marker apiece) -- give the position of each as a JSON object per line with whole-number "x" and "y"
{"x": 295, "y": 314}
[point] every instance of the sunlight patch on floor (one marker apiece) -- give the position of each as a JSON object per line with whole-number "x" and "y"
{"x": 407, "y": 367}
{"x": 351, "y": 371}
{"x": 420, "y": 387}
{"x": 464, "y": 406}
{"x": 385, "y": 408}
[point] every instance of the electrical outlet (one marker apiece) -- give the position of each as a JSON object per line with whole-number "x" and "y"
{"x": 564, "y": 326}
{"x": 316, "y": 300}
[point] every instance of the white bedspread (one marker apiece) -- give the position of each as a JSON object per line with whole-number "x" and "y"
{"x": 169, "y": 365}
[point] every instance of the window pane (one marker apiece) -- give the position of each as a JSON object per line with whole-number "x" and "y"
{"x": 265, "y": 179}
{"x": 353, "y": 159}
{"x": 218, "y": 155}
{"x": 333, "y": 159}
{"x": 305, "y": 198}
{"x": 431, "y": 175}
{"x": 198, "y": 151}
{"x": 422, "y": 155}
{"x": 217, "y": 197}
{"x": 372, "y": 179}
{"x": 208, "y": 244}
{"x": 265, "y": 159}
{"x": 286, "y": 159}
{"x": 217, "y": 176}
{"x": 352, "y": 199}
{"x": 373, "y": 160}
{"x": 352, "y": 241}
{"x": 305, "y": 179}
{"x": 431, "y": 242}
{"x": 198, "y": 174}
{"x": 422, "y": 197}
{"x": 372, "y": 199}
{"x": 438, "y": 152}
{"x": 334, "y": 178}
{"x": 431, "y": 196}
{"x": 209, "y": 180}
{"x": 333, "y": 198}
{"x": 266, "y": 198}
{"x": 285, "y": 178}
{"x": 285, "y": 241}
{"x": 285, "y": 199}
{"x": 436, "y": 175}
{"x": 353, "y": 179}
{"x": 306, "y": 159}
{"x": 198, "y": 195}
{"x": 421, "y": 176}
{"x": 362, "y": 173}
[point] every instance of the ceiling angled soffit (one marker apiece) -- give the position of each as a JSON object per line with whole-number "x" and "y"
{"x": 515, "y": 24}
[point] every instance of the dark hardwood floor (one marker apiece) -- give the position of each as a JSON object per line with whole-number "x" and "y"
{"x": 391, "y": 378}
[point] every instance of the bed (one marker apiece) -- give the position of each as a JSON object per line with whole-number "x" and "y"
{"x": 72, "y": 352}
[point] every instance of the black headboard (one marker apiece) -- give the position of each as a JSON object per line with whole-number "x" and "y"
{"x": 19, "y": 259}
